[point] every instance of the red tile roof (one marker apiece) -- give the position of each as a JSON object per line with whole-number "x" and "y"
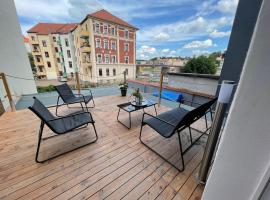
{"x": 47, "y": 28}
{"x": 25, "y": 39}
{"x": 106, "y": 16}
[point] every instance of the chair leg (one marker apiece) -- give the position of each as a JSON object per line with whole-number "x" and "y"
{"x": 39, "y": 141}
{"x": 181, "y": 152}
{"x": 57, "y": 105}
{"x": 182, "y": 159}
{"x": 190, "y": 135}
{"x": 40, "y": 138}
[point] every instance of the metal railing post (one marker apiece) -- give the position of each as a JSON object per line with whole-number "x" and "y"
{"x": 11, "y": 102}
{"x": 222, "y": 103}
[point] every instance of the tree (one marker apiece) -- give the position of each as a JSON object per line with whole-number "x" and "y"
{"x": 33, "y": 66}
{"x": 201, "y": 65}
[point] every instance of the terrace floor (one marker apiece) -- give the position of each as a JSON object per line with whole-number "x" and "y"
{"x": 117, "y": 166}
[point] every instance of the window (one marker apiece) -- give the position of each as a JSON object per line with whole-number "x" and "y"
{"x": 38, "y": 59}
{"x": 33, "y": 38}
{"x": 107, "y": 72}
{"x": 58, "y": 60}
{"x": 113, "y": 45}
{"x": 54, "y": 39}
{"x": 107, "y": 58}
{"x": 126, "y": 47}
{"x": 126, "y": 59}
{"x": 106, "y": 44}
{"x": 44, "y": 44}
{"x": 100, "y": 72}
{"x": 105, "y": 29}
{"x": 98, "y": 45}
{"x": 68, "y": 54}
{"x": 86, "y": 27}
{"x": 99, "y": 58}
{"x": 46, "y": 54}
{"x": 97, "y": 29}
{"x": 114, "y": 72}
{"x": 49, "y": 64}
{"x": 113, "y": 31}
{"x": 66, "y": 42}
{"x": 56, "y": 49}
{"x": 70, "y": 64}
{"x": 113, "y": 59}
{"x": 126, "y": 33}
{"x": 40, "y": 68}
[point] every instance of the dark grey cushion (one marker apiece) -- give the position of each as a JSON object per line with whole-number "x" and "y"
{"x": 173, "y": 116}
{"x": 78, "y": 99}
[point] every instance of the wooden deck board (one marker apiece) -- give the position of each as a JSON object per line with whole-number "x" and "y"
{"x": 116, "y": 166}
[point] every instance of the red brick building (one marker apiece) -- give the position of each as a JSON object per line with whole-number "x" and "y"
{"x": 105, "y": 47}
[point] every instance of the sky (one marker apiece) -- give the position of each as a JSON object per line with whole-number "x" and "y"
{"x": 166, "y": 27}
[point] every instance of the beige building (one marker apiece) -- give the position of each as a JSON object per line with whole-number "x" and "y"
{"x": 105, "y": 48}
{"x": 52, "y": 52}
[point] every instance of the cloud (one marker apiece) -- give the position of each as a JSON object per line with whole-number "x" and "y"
{"x": 199, "y": 44}
{"x": 219, "y": 34}
{"x": 162, "y": 37}
{"x": 227, "y": 6}
{"x": 200, "y": 52}
{"x": 165, "y": 50}
{"x": 146, "y": 52}
{"x": 183, "y": 30}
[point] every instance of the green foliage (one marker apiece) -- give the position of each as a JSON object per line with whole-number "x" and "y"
{"x": 137, "y": 94}
{"x": 201, "y": 65}
{"x": 31, "y": 60}
{"x": 123, "y": 86}
{"x": 42, "y": 89}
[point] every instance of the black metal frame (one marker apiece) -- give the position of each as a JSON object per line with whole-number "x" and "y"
{"x": 179, "y": 130}
{"x": 58, "y": 105}
{"x": 129, "y": 113}
{"x": 74, "y": 129}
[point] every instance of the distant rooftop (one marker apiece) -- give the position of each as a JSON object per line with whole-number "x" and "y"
{"x": 48, "y": 28}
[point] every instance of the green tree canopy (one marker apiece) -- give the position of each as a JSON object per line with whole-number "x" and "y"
{"x": 31, "y": 60}
{"x": 201, "y": 65}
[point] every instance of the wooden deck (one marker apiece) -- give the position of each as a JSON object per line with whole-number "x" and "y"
{"x": 117, "y": 166}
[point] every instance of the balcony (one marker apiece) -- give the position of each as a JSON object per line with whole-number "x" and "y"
{"x": 36, "y": 52}
{"x": 84, "y": 34}
{"x": 38, "y": 63}
{"x": 33, "y": 41}
{"x": 85, "y": 49}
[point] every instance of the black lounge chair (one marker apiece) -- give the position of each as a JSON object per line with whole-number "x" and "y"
{"x": 69, "y": 97}
{"x": 60, "y": 125}
{"x": 176, "y": 120}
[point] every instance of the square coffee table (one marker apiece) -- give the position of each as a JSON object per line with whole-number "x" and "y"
{"x": 132, "y": 107}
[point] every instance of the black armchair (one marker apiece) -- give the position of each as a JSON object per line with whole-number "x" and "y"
{"x": 60, "y": 125}
{"x": 176, "y": 120}
{"x": 68, "y": 97}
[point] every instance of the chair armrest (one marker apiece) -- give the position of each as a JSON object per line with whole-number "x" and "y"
{"x": 157, "y": 119}
{"x": 71, "y": 115}
{"x": 90, "y": 91}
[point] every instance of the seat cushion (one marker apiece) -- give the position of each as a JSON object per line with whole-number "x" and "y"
{"x": 78, "y": 99}
{"x": 63, "y": 125}
{"x": 173, "y": 116}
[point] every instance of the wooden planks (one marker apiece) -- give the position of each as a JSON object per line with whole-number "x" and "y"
{"x": 117, "y": 166}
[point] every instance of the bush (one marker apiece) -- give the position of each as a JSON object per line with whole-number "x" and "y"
{"x": 42, "y": 89}
{"x": 201, "y": 65}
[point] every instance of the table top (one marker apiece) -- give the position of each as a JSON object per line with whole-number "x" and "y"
{"x": 129, "y": 107}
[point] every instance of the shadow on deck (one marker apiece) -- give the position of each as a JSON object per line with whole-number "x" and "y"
{"x": 117, "y": 166}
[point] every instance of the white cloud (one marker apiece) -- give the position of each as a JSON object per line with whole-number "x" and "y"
{"x": 200, "y": 52}
{"x": 165, "y": 50}
{"x": 219, "y": 34}
{"x": 227, "y": 6}
{"x": 183, "y": 30}
{"x": 199, "y": 44}
{"x": 162, "y": 37}
{"x": 146, "y": 52}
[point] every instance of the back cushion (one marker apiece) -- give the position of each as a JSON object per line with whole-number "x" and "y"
{"x": 41, "y": 110}
{"x": 64, "y": 91}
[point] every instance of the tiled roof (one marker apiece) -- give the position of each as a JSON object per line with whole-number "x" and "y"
{"x": 47, "y": 28}
{"x": 106, "y": 16}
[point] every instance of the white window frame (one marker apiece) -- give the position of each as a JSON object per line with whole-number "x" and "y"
{"x": 107, "y": 58}
{"x": 127, "y": 58}
{"x": 113, "y": 42}
{"x": 98, "y": 46}
{"x": 113, "y": 56}
{"x": 113, "y": 32}
{"x": 106, "y": 41}
{"x": 126, "y": 44}
{"x": 106, "y": 29}
{"x": 97, "y": 27}
{"x": 99, "y": 61}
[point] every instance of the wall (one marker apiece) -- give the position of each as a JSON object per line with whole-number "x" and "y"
{"x": 242, "y": 159}
{"x": 65, "y": 49}
{"x": 194, "y": 82}
{"x": 13, "y": 55}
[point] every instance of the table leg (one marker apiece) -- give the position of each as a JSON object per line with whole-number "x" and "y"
{"x": 129, "y": 117}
